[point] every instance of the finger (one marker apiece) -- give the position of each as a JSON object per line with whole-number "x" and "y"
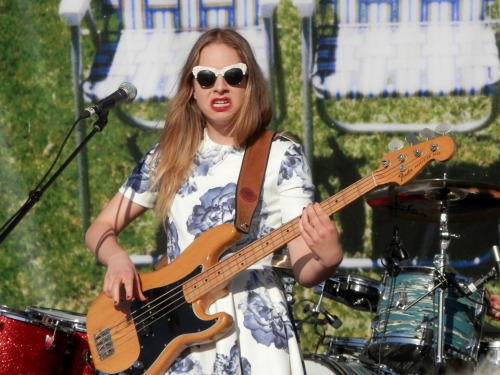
{"x": 303, "y": 231}
{"x": 116, "y": 292}
{"x": 128, "y": 286}
{"x": 138, "y": 289}
{"x": 323, "y": 218}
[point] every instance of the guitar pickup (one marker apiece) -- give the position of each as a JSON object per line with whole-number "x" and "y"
{"x": 104, "y": 344}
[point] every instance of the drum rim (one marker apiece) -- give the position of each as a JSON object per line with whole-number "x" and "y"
{"x": 353, "y": 277}
{"x": 53, "y": 313}
{"x": 53, "y": 318}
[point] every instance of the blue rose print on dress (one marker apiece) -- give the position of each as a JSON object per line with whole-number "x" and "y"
{"x": 173, "y": 250}
{"x": 269, "y": 323}
{"x": 229, "y": 365}
{"x": 203, "y": 163}
{"x": 216, "y": 207}
{"x": 258, "y": 228}
{"x": 185, "y": 365}
{"x": 295, "y": 163}
{"x": 139, "y": 178}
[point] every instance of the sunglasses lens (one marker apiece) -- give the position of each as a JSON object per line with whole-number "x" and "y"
{"x": 206, "y": 78}
{"x": 234, "y": 76}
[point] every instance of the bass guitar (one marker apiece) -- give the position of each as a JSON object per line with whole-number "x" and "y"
{"x": 139, "y": 337}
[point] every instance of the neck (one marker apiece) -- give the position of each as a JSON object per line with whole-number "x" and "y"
{"x": 220, "y": 136}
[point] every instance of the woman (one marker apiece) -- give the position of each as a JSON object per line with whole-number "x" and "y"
{"x": 190, "y": 177}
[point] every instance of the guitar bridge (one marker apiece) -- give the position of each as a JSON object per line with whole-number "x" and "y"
{"x": 104, "y": 344}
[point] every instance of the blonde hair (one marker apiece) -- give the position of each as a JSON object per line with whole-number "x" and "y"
{"x": 183, "y": 130}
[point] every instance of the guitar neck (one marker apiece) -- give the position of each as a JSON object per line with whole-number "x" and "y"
{"x": 223, "y": 271}
{"x": 399, "y": 167}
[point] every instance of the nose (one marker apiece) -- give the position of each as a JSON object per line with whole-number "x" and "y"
{"x": 220, "y": 84}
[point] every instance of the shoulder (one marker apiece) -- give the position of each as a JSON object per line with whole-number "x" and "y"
{"x": 286, "y": 145}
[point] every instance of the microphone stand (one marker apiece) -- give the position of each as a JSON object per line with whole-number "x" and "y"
{"x": 36, "y": 195}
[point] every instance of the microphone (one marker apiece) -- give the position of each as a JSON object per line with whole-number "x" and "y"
{"x": 395, "y": 253}
{"x": 125, "y": 93}
{"x": 333, "y": 320}
{"x": 494, "y": 272}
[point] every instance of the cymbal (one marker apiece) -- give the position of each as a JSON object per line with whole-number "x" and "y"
{"x": 281, "y": 261}
{"x": 422, "y": 200}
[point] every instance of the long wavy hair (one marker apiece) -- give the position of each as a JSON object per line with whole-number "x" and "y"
{"x": 183, "y": 130}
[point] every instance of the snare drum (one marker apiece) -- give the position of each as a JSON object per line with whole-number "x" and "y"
{"x": 359, "y": 292}
{"x": 76, "y": 359}
{"x": 316, "y": 364}
{"x": 404, "y": 330}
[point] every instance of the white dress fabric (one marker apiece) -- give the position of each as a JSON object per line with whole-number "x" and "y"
{"x": 262, "y": 339}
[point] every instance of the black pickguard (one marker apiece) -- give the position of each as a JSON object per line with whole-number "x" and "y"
{"x": 168, "y": 317}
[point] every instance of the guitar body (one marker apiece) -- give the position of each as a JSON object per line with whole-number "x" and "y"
{"x": 137, "y": 336}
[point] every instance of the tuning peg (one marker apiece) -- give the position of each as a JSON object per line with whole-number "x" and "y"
{"x": 426, "y": 133}
{"x": 443, "y": 129}
{"x": 395, "y": 144}
{"x": 412, "y": 139}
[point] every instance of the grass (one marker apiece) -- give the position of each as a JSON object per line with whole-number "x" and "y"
{"x": 44, "y": 260}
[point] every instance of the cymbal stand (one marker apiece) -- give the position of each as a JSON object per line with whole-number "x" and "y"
{"x": 440, "y": 262}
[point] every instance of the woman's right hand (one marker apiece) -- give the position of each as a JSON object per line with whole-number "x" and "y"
{"x": 122, "y": 282}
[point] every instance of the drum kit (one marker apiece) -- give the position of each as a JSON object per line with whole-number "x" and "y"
{"x": 424, "y": 319}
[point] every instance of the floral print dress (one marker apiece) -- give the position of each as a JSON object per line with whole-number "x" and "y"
{"x": 262, "y": 339}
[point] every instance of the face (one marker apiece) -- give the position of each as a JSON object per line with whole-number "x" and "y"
{"x": 221, "y": 100}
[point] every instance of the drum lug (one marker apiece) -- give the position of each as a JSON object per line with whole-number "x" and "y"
{"x": 50, "y": 341}
{"x": 401, "y": 301}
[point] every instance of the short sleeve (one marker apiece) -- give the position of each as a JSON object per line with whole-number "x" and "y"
{"x": 295, "y": 184}
{"x": 137, "y": 187}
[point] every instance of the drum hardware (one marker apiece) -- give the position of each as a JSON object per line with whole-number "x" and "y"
{"x": 282, "y": 262}
{"x": 44, "y": 342}
{"x": 441, "y": 283}
{"x": 283, "y": 266}
{"x": 358, "y": 292}
{"x": 395, "y": 253}
{"x": 421, "y": 325}
{"x": 422, "y": 200}
{"x": 313, "y": 314}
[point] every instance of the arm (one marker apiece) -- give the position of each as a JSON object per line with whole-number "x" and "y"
{"x": 317, "y": 252}
{"x": 101, "y": 239}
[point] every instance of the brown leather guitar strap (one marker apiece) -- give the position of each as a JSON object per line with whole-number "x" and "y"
{"x": 251, "y": 179}
{"x": 249, "y": 184}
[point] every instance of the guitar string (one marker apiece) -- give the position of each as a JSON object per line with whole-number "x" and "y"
{"x": 158, "y": 307}
{"x": 394, "y": 170}
{"x": 208, "y": 271}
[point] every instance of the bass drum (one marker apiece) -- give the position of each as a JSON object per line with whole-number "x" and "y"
{"x": 316, "y": 364}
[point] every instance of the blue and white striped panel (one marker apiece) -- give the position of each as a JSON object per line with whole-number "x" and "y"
{"x": 217, "y": 13}
{"x": 163, "y": 14}
{"x": 408, "y": 58}
{"x": 247, "y": 13}
{"x": 190, "y": 14}
{"x": 133, "y": 14}
{"x": 347, "y": 11}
